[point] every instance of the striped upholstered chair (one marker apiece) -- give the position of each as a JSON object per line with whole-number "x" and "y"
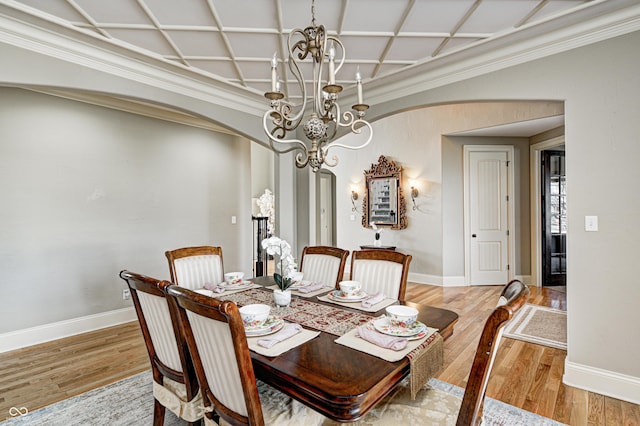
{"x": 381, "y": 271}
{"x": 193, "y": 267}
{"x": 323, "y": 264}
{"x": 174, "y": 380}
{"x": 218, "y": 345}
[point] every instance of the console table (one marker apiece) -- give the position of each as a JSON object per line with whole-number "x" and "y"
{"x": 392, "y": 248}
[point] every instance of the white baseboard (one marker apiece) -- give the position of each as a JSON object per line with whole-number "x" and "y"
{"x": 526, "y": 279}
{"x": 57, "y": 330}
{"x": 604, "y": 382}
{"x": 436, "y": 280}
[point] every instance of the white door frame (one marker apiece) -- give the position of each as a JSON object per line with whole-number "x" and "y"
{"x": 509, "y": 149}
{"x": 536, "y": 206}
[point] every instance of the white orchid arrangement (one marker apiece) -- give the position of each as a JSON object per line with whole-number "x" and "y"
{"x": 286, "y": 265}
{"x": 267, "y": 209}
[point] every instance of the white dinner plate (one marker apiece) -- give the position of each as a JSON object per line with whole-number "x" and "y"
{"x": 416, "y": 331}
{"x": 241, "y": 286}
{"x": 271, "y": 325}
{"x": 337, "y": 296}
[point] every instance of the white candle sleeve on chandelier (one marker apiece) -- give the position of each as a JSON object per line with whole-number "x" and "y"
{"x": 359, "y": 84}
{"x": 332, "y": 65}
{"x": 274, "y": 73}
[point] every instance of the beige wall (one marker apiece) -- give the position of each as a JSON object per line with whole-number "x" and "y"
{"x": 434, "y": 236}
{"x": 88, "y": 191}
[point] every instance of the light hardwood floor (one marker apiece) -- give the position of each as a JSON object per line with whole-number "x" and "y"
{"x": 525, "y": 375}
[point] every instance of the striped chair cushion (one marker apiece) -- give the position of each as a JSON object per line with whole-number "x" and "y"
{"x": 378, "y": 276}
{"x": 215, "y": 346}
{"x": 158, "y": 319}
{"x": 321, "y": 268}
{"x": 194, "y": 272}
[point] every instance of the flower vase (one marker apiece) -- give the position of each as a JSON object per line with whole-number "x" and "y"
{"x": 282, "y": 297}
{"x": 378, "y": 241}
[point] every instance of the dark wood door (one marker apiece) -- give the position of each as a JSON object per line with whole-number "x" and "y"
{"x": 554, "y": 218}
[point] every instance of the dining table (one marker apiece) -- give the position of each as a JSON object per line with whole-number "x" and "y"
{"x": 338, "y": 381}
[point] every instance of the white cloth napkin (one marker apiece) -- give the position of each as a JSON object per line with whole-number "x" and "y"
{"x": 373, "y": 299}
{"x": 311, "y": 287}
{"x": 216, "y": 288}
{"x": 289, "y": 330}
{"x": 382, "y": 340}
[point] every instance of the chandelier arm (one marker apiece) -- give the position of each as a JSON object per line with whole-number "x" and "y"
{"x": 329, "y": 164}
{"x": 302, "y": 160}
{"x": 297, "y": 144}
{"x": 318, "y": 66}
{"x": 302, "y": 45}
{"x": 361, "y": 123}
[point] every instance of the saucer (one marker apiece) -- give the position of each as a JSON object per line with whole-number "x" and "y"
{"x": 241, "y": 286}
{"x": 337, "y": 296}
{"x": 416, "y": 331}
{"x": 271, "y": 325}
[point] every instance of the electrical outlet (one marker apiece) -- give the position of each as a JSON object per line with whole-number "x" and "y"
{"x": 126, "y": 294}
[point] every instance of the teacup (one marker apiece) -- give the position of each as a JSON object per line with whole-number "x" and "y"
{"x": 350, "y": 288}
{"x": 255, "y": 315}
{"x": 233, "y": 278}
{"x": 402, "y": 316}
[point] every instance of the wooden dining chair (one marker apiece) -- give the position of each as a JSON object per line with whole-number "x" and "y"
{"x": 193, "y": 267}
{"x": 218, "y": 345}
{"x": 434, "y": 406}
{"x": 323, "y": 264}
{"x": 383, "y": 271}
{"x": 175, "y": 385}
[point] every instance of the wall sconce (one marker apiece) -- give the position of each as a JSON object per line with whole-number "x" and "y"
{"x": 354, "y": 197}
{"x": 414, "y": 194}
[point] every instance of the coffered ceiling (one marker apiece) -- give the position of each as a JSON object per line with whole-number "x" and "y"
{"x": 399, "y": 46}
{"x": 234, "y": 40}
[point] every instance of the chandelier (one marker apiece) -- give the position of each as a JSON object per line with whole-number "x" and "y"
{"x": 327, "y": 54}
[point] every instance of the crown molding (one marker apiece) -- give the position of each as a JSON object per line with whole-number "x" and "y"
{"x": 597, "y": 21}
{"x": 54, "y": 38}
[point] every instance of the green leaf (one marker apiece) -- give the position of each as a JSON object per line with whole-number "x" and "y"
{"x": 281, "y": 282}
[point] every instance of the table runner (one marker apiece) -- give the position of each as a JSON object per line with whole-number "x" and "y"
{"x": 301, "y": 294}
{"x": 330, "y": 319}
{"x": 425, "y": 360}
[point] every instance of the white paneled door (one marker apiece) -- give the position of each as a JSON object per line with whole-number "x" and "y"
{"x": 487, "y": 210}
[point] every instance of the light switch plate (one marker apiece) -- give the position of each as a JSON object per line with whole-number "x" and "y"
{"x": 233, "y": 220}
{"x": 591, "y": 223}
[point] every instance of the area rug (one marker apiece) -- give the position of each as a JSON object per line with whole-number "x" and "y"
{"x": 130, "y": 402}
{"x": 540, "y": 325}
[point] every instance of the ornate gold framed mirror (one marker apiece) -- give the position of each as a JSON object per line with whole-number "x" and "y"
{"x": 383, "y": 202}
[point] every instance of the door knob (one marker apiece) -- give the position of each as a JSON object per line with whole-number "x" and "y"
{"x": 473, "y": 235}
